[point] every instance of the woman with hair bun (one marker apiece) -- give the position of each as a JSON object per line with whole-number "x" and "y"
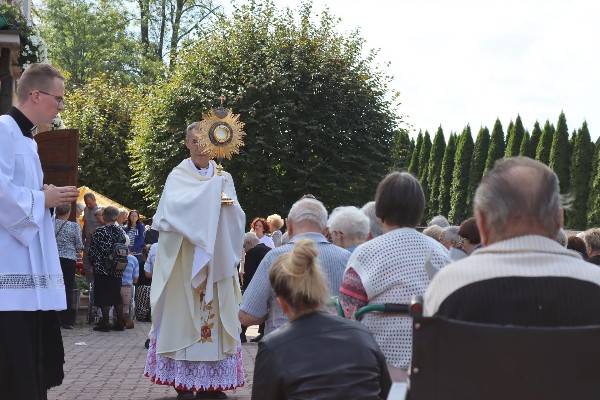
{"x": 309, "y": 357}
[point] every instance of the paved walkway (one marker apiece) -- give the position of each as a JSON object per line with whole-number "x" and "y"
{"x": 103, "y": 366}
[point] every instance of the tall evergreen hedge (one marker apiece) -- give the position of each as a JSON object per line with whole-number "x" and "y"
{"x": 459, "y": 208}
{"x": 496, "y": 150}
{"x": 446, "y": 175}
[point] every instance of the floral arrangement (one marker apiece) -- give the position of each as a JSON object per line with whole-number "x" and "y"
{"x": 33, "y": 48}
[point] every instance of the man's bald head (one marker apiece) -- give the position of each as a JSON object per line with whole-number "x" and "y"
{"x": 519, "y": 196}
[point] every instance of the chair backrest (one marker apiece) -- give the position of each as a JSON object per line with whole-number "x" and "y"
{"x": 462, "y": 360}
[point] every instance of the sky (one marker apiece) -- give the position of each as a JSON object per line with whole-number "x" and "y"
{"x": 469, "y": 62}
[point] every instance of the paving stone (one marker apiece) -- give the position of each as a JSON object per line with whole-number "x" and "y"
{"x": 111, "y": 365}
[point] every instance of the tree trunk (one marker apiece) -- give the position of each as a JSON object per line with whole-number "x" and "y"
{"x": 144, "y": 14}
{"x": 175, "y": 33}
{"x": 163, "y": 24}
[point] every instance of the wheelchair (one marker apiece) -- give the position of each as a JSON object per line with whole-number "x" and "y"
{"x": 464, "y": 360}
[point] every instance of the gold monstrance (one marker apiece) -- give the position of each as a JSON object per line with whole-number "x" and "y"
{"x": 221, "y": 136}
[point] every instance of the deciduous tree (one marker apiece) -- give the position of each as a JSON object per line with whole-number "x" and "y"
{"x": 102, "y": 111}
{"x": 318, "y": 113}
{"x": 87, "y": 38}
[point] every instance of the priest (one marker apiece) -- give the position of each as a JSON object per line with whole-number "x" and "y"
{"x": 195, "y": 295}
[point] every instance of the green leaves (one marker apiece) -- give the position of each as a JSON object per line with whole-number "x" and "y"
{"x": 316, "y": 112}
{"x": 102, "y": 112}
{"x": 88, "y": 38}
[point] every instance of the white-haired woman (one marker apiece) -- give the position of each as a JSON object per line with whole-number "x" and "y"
{"x": 301, "y": 289}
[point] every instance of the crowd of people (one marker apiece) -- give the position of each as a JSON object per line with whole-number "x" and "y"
{"x": 376, "y": 255}
{"x": 202, "y": 280}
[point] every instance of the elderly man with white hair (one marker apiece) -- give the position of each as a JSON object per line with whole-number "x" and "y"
{"x": 349, "y": 227}
{"x": 307, "y": 219}
{"x": 521, "y": 276}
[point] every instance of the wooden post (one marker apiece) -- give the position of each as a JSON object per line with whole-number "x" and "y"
{"x": 9, "y": 40}
{"x": 6, "y": 81}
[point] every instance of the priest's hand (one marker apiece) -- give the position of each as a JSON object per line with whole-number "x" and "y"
{"x": 58, "y": 196}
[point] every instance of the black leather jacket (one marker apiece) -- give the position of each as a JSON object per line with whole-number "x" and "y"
{"x": 320, "y": 356}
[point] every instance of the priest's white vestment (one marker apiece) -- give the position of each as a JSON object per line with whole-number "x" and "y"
{"x": 195, "y": 295}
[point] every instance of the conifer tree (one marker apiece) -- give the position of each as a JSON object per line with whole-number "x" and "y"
{"x": 511, "y": 124}
{"x": 411, "y": 150}
{"x": 542, "y": 153}
{"x": 595, "y": 150}
{"x": 525, "y": 149}
{"x": 434, "y": 173}
{"x": 480, "y": 153}
{"x": 446, "y": 176}
{"x": 514, "y": 138}
{"x": 536, "y": 135}
{"x": 560, "y": 156}
{"x": 413, "y": 167}
{"x": 581, "y": 170}
{"x": 401, "y": 150}
{"x": 459, "y": 210}
{"x": 496, "y": 150}
{"x": 424, "y": 163}
{"x": 593, "y": 209}
{"x": 509, "y": 132}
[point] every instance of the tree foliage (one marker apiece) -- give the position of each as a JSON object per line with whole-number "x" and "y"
{"x": 446, "y": 176}
{"x": 401, "y": 150}
{"x": 413, "y": 167}
{"x": 316, "y": 111}
{"x": 542, "y": 153}
{"x": 593, "y": 206}
{"x": 525, "y": 149}
{"x": 534, "y": 140}
{"x": 424, "y": 163}
{"x": 560, "y": 156}
{"x": 514, "y": 138}
{"x": 87, "y": 38}
{"x": 459, "y": 209}
{"x": 480, "y": 153}
{"x": 102, "y": 112}
{"x": 434, "y": 172}
{"x": 581, "y": 164}
{"x": 496, "y": 150}
{"x": 166, "y": 24}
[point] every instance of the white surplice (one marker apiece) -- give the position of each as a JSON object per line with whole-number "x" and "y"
{"x": 30, "y": 274}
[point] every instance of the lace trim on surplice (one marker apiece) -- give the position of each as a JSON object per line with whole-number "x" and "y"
{"x": 28, "y": 281}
